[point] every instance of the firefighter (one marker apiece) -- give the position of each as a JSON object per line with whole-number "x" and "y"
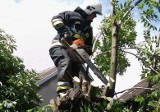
{"x": 67, "y": 24}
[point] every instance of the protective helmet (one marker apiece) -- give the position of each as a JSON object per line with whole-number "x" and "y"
{"x": 90, "y": 6}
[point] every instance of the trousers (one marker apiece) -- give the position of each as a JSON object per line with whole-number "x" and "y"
{"x": 66, "y": 67}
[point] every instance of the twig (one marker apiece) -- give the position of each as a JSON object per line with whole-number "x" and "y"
{"x": 142, "y": 61}
{"x": 1, "y": 84}
{"x": 134, "y": 88}
{"x": 120, "y": 22}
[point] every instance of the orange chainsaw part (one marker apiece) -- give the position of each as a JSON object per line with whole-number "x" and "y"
{"x": 78, "y": 42}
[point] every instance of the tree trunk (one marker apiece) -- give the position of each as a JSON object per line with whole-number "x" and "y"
{"x": 115, "y": 27}
{"x": 113, "y": 70}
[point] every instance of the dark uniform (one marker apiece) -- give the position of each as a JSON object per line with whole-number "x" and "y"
{"x": 69, "y": 22}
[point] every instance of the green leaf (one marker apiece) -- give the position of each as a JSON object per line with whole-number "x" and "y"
{"x": 152, "y": 104}
{"x": 139, "y": 99}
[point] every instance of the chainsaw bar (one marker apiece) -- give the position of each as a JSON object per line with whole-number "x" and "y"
{"x": 83, "y": 57}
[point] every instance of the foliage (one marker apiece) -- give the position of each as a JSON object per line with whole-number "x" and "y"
{"x": 147, "y": 13}
{"x": 126, "y": 38}
{"x": 148, "y": 53}
{"x": 149, "y": 102}
{"x": 17, "y": 89}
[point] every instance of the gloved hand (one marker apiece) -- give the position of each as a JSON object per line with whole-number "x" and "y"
{"x": 61, "y": 29}
{"x": 67, "y": 37}
{"x": 63, "y": 32}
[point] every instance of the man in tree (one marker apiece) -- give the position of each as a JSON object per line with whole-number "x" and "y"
{"x": 75, "y": 28}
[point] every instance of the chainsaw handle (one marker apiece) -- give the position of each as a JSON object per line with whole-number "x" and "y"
{"x": 64, "y": 42}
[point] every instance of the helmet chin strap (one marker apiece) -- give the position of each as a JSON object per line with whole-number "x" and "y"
{"x": 91, "y": 16}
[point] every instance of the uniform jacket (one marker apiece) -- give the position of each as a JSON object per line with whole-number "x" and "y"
{"x": 75, "y": 20}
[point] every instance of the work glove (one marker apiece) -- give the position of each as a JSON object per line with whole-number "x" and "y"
{"x": 60, "y": 28}
{"x": 64, "y": 32}
{"x": 67, "y": 37}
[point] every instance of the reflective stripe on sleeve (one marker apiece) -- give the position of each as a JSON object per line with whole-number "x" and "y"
{"x": 56, "y": 22}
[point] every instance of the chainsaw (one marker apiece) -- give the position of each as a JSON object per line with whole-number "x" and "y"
{"x": 79, "y": 55}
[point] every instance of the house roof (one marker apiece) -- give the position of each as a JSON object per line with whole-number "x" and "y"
{"x": 49, "y": 73}
{"x": 46, "y": 74}
{"x": 137, "y": 90}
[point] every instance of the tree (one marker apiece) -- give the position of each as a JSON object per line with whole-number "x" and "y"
{"x": 148, "y": 54}
{"x": 117, "y": 29}
{"x": 118, "y": 33}
{"x": 17, "y": 89}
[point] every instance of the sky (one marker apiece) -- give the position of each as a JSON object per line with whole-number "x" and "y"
{"x": 29, "y": 22}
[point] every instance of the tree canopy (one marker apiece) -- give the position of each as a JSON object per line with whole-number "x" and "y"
{"x": 17, "y": 85}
